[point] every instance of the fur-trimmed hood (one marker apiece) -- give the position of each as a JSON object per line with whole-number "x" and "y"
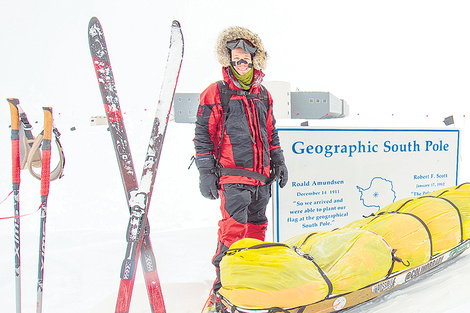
{"x": 237, "y": 32}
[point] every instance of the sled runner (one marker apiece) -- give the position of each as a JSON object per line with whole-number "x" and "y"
{"x": 339, "y": 302}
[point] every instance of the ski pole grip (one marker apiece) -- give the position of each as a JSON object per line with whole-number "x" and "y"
{"x": 46, "y": 152}
{"x": 15, "y": 116}
{"x": 15, "y": 139}
{"x": 47, "y": 126}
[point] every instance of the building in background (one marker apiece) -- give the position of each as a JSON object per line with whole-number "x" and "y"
{"x": 317, "y": 104}
{"x": 287, "y": 104}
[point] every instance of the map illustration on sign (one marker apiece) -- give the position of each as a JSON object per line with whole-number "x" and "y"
{"x": 379, "y": 194}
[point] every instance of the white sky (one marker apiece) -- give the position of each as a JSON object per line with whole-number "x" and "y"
{"x": 393, "y": 57}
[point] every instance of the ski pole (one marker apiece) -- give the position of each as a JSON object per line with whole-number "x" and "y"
{"x": 45, "y": 181}
{"x": 15, "y": 156}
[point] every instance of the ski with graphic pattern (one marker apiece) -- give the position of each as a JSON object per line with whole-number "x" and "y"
{"x": 138, "y": 197}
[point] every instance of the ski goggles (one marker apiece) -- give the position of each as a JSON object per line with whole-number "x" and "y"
{"x": 247, "y": 46}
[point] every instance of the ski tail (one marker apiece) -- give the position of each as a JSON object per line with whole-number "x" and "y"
{"x": 152, "y": 281}
{"x": 15, "y": 156}
{"x": 126, "y": 285}
{"x": 45, "y": 181}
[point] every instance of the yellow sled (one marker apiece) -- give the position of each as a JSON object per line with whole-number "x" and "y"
{"x": 329, "y": 271}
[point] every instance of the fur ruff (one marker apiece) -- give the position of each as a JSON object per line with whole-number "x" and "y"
{"x": 237, "y": 32}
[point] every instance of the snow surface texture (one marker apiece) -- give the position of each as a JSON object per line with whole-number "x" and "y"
{"x": 87, "y": 219}
{"x": 404, "y": 65}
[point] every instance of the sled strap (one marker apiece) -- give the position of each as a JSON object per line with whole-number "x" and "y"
{"x": 277, "y": 309}
{"x": 396, "y": 259}
{"x": 459, "y": 214}
{"x": 322, "y": 273}
{"x": 281, "y": 310}
{"x": 422, "y": 223}
{"x": 233, "y": 309}
{"x": 306, "y": 239}
{"x": 260, "y": 246}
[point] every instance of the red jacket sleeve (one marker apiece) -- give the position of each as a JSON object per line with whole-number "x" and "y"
{"x": 208, "y": 121}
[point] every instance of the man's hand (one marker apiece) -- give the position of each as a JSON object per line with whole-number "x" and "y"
{"x": 208, "y": 181}
{"x": 278, "y": 167}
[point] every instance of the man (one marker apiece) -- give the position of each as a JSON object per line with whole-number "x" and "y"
{"x": 238, "y": 151}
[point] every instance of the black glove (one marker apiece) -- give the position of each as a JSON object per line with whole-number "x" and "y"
{"x": 278, "y": 167}
{"x": 208, "y": 181}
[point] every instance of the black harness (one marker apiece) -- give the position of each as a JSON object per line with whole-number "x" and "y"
{"x": 225, "y": 94}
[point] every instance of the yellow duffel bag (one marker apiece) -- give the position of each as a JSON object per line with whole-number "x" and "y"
{"x": 350, "y": 258}
{"x": 441, "y": 218}
{"x": 406, "y": 234}
{"x": 256, "y": 274}
{"x": 459, "y": 197}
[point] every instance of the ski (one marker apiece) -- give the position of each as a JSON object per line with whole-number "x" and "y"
{"x": 45, "y": 181}
{"x": 141, "y": 199}
{"x": 104, "y": 73}
{"x": 15, "y": 154}
{"x": 139, "y": 244}
{"x": 339, "y": 302}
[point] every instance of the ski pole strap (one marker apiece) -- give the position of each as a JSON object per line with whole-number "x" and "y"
{"x": 26, "y": 139}
{"x": 33, "y": 159}
{"x": 7, "y": 197}
{"x": 28, "y": 147}
{"x": 22, "y": 215}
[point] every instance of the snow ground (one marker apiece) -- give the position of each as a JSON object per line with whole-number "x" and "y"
{"x": 87, "y": 218}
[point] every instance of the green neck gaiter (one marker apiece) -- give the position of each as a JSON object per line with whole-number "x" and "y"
{"x": 244, "y": 80}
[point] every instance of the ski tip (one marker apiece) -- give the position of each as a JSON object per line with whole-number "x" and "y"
{"x": 93, "y": 21}
{"x": 175, "y": 24}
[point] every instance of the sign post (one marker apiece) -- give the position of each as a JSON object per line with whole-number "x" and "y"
{"x": 338, "y": 175}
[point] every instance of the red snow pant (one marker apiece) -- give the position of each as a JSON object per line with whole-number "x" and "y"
{"x": 243, "y": 210}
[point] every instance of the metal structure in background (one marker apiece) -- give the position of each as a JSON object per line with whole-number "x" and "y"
{"x": 287, "y": 104}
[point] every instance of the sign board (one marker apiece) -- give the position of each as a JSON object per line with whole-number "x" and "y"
{"x": 98, "y": 120}
{"x": 338, "y": 175}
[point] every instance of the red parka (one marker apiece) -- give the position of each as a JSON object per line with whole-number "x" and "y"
{"x": 250, "y": 133}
